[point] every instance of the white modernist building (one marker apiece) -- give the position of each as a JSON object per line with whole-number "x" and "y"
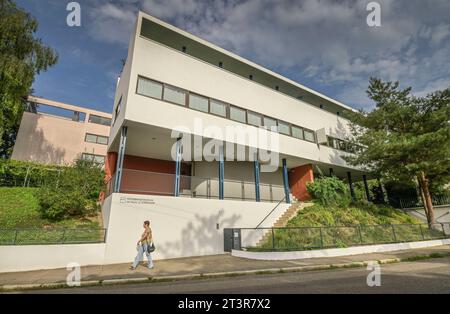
{"x": 173, "y": 157}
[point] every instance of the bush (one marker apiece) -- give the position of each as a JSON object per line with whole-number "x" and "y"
{"x": 16, "y": 173}
{"x": 329, "y": 191}
{"x": 74, "y": 193}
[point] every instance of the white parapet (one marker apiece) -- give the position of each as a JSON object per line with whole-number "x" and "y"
{"x": 365, "y": 249}
{"x": 181, "y": 226}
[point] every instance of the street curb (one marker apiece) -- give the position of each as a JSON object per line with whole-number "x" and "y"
{"x": 121, "y": 281}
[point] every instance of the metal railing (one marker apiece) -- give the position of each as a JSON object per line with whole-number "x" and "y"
{"x": 51, "y": 236}
{"x": 155, "y": 183}
{"x": 414, "y": 202}
{"x": 273, "y": 209}
{"x": 310, "y": 238}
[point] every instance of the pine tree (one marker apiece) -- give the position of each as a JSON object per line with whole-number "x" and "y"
{"x": 404, "y": 136}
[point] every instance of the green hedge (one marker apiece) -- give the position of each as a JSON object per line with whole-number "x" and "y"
{"x": 15, "y": 173}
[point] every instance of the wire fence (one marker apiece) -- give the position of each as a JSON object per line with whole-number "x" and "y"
{"x": 416, "y": 202}
{"x": 310, "y": 238}
{"x": 51, "y": 236}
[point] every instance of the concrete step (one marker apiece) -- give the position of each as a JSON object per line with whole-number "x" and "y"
{"x": 282, "y": 221}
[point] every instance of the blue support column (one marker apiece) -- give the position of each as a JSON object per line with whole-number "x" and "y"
{"x": 350, "y": 184}
{"x": 176, "y": 190}
{"x": 221, "y": 173}
{"x": 256, "y": 170}
{"x": 366, "y": 187}
{"x": 120, "y": 157}
{"x": 286, "y": 182}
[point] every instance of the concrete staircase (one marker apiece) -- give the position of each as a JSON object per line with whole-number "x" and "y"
{"x": 290, "y": 213}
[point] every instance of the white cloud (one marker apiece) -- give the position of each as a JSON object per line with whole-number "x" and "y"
{"x": 312, "y": 41}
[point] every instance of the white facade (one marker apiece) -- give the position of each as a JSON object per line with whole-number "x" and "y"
{"x": 150, "y": 59}
{"x": 173, "y": 80}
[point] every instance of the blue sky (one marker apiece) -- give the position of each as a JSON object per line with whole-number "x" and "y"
{"x": 325, "y": 45}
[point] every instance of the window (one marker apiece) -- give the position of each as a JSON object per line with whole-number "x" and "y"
{"x": 175, "y": 95}
{"x": 149, "y": 88}
{"x": 99, "y": 120}
{"x": 99, "y": 159}
{"x": 98, "y": 139}
{"x": 332, "y": 142}
{"x": 254, "y": 118}
{"x": 237, "y": 114}
{"x": 219, "y": 108}
{"x": 309, "y": 135}
{"x": 284, "y": 128}
{"x": 118, "y": 107}
{"x": 198, "y": 102}
{"x": 270, "y": 124}
{"x": 297, "y": 132}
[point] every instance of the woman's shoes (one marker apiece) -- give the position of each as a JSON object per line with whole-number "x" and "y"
{"x": 132, "y": 267}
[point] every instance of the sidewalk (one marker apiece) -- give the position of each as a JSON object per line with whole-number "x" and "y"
{"x": 194, "y": 267}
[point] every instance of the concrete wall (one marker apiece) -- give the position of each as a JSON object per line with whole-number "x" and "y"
{"x": 35, "y": 257}
{"x": 181, "y": 226}
{"x": 365, "y": 249}
{"x": 55, "y": 140}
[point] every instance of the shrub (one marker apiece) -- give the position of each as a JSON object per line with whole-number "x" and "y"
{"x": 74, "y": 193}
{"x": 329, "y": 191}
{"x": 14, "y": 173}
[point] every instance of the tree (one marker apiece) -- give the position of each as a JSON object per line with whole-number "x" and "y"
{"x": 22, "y": 56}
{"x": 404, "y": 136}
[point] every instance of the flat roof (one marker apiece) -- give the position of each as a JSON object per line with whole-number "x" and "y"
{"x": 176, "y": 38}
{"x": 52, "y": 103}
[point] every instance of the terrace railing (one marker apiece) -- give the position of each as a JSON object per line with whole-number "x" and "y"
{"x": 310, "y": 238}
{"x": 154, "y": 183}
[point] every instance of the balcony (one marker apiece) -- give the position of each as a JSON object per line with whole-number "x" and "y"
{"x": 155, "y": 183}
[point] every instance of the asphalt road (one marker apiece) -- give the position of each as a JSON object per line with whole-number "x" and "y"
{"x": 427, "y": 276}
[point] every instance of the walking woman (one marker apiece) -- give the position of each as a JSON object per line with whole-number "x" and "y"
{"x": 145, "y": 244}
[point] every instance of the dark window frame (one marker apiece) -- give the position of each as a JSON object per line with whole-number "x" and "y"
{"x": 93, "y": 158}
{"x": 101, "y": 117}
{"x": 96, "y": 138}
{"x": 228, "y": 107}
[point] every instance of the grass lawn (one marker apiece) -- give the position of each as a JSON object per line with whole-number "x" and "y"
{"x": 343, "y": 227}
{"x": 19, "y": 209}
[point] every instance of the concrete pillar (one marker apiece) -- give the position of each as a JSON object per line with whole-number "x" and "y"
{"x": 298, "y": 178}
{"x": 256, "y": 171}
{"x": 221, "y": 174}
{"x": 120, "y": 157}
{"x": 366, "y": 187}
{"x": 286, "y": 182}
{"x": 176, "y": 189}
{"x": 350, "y": 184}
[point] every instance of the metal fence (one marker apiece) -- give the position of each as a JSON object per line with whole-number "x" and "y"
{"x": 310, "y": 238}
{"x": 51, "y": 236}
{"x": 415, "y": 202}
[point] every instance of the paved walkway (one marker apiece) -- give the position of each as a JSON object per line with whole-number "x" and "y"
{"x": 200, "y": 265}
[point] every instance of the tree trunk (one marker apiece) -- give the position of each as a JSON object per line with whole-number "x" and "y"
{"x": 426, "y": 194}
{"x": 422, "y": 197}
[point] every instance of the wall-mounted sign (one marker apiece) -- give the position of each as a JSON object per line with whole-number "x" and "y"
{"x": 136, "y": 200}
